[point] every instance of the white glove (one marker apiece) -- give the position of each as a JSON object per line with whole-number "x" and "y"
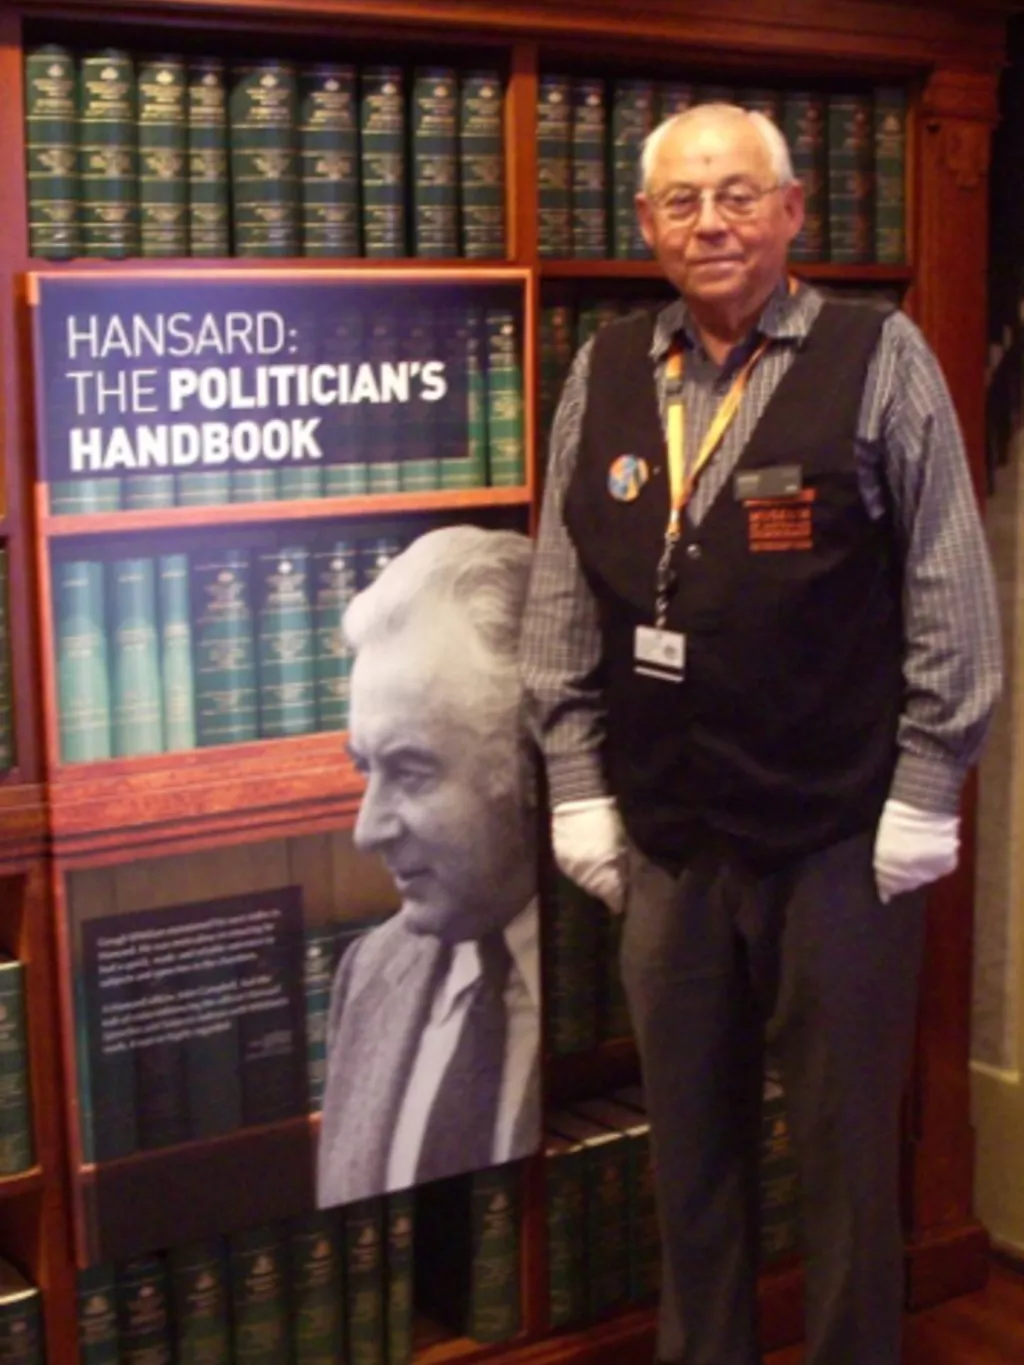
{"x": 590, "y": 847}
{"x": 913, "y": 847}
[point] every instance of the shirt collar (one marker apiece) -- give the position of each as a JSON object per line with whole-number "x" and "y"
{"x": 785, "y": 317}
{"x": 521, "y": 936}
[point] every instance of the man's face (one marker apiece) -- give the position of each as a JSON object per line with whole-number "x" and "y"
{"x": 721, "y": 263}
{"x": 420, "y": 735}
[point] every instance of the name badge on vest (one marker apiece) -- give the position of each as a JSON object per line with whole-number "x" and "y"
{"x": 659, "y": 653}
{"x": 777, "y": 481}
{"x": 627, "y": 474}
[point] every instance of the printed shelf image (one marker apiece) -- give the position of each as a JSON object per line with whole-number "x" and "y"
{"x": 132, "y": 154}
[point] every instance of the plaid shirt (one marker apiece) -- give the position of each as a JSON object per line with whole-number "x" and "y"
{"x": 910, "y": 458}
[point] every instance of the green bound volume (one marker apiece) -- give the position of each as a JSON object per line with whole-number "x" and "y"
{"x": 329, "y": 160}
{"x": 632, "y": 121}
{"x": 98, "y": 1339}
{"x": 375, "y": 555}
{"x": 762, "y": 101}
{"x": 285, "y": 649}
{"x": 382, "y": 160}
{"x": 225, "y": 662}
{"x": 83, "y": 677}
{"x": 571, "y": 929}
{"x": 17, "y": 1149}
{"x": 591, "y": 317}
{"x": 565, "y": 1205}
{"x": 334, "y": 586}
{"x": 850, "y": 174}
{"x": 364, "y": 1282}
{"x": 254, "y": 485}
{"x": 557, "y": 344}
{"x": 399, "y": 1229}
{"x": 589, "y": 170}
{"x": 481, "y": 166}
{"x": 890, "y": 109}
{"x": 163, "y": 157}
{"x": 203, "y": 490}
{"x": 137, "y": 708}
{"x": 462, "y": 439}
{"x": 316, "y": 1283}
{"x": 6, "y": 694}
{"x": 259, "y": 1297}
{"x": 143, "y": 1312}
{"x": 318, "y": 974}
{"x": 209, "y": 213}
{"x": 554, "y": 166}
{"x": 141, "y": 491}
{"x": 21, "y": 1319}
{"x": 51, "y": 152}
{"x": 107, "y": 154}
{"x": 468, "y": 1253}
{"x": 264, "y": 176}
{"x": 177, "y": 673}
{"x": 506, "y": 454}
{"x": 344, "y": 346}
{"x": 382, "y": 421}
{"x": 307, "y": 481}
{"x": 805, "y": 127}
{"x": 199, "y": 1297}
{"x": 435, "y": 162}
{"x": 673, "y": 97}
{"x": 607, "y": 1208}
{"x": 421, "y": 470}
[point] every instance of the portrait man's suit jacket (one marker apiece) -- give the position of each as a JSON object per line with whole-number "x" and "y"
{"x": 380, "y": 1005}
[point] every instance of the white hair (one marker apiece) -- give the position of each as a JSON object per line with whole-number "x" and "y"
{"x": 771, "y": 138}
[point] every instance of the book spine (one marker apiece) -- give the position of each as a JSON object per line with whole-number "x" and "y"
{"x": 254, "y": 485}
{"x": 556, "y": 342}
{"x": 890, "y": 175}
{"x": 6, "y": 694}
{"x": 318, "y": 974}
{"x": 804, "y": 126}
{"x": 481, "y": 166}
{"x": 316, "y": 1284}
{"x": 495, "y": 1312}
{"x": 334, "y": 574}
{"x": 589, "y": 170}
{"x": 778, "y": 1178}
{"x": 137, "y": 711}
{"x": 644, "y": 1237}
{"x": 435, "y": 162}
{"x": 632, "y": 121}
{"x": 382, "y": 160}
{"x": 141, "y": 491}
{"x": 297, "y": 485}
{"x": 608, "y": 1224}
{"x": 143, "y": 1312}
{"x": 381, "y": 422}
{"x": 374, "y": 557}
{"x": 17, "y": 1150}
{"x": 591, "y": 317}
{"x": 176, "y": 669}
{"x": 285, "y": 650}
{"x": 51, "y": 152}
{"x": 98, "y": 1338}
{"x": 163, "y": 158}
{"x": 463, "y": 435}
{"x": 758, "y": 100}
{"x": 506, "y": 455}
{"x": 83, "y": 1068}
{"x": 673, "y": 97}
{"x": 850, "y": 165}
{"x": 21, "y": 1327}
{"x": 202, "y": 490}
{"x": 420, "y": 470}
{"x": 264, "y": 182}
{"x": 329, "y": 159}
{"x": 364, "y": 1282}
{"x": 198, "y": 1276}
{"x": 400, "y": 1218}
{"x": 209, "y": 213}
{"x": 554, "y": 166}
{"x": 259, "y": 1297}
{"x": 344, "y": 347}
{"x": 78, "y": 497}
{"x": 107, "y": 154}
{"x": 570, "y": 957}
{"x": 565, "y": 1180}
{"x": 225, "y": 664}
{"x": 83, "y": 677}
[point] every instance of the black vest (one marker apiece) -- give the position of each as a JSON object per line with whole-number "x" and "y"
{"x": 782, "y": 736}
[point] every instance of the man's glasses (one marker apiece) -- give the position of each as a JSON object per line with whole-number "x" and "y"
{"x": 733, "y": 203}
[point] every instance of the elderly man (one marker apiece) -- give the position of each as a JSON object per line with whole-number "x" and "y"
{"x": 761, "y": 652}
{"x": 434, "y": 1028}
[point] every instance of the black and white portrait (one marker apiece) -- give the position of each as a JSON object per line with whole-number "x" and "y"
{"x": 434, "y": 1030}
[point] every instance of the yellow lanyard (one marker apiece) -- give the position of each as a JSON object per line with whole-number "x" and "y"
{"x": 682, "y": 481}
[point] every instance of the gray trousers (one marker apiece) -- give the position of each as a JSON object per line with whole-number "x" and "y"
{"x": 711, "y": 960}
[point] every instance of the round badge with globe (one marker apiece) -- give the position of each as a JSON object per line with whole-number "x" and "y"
{"x": 627, "y": 474}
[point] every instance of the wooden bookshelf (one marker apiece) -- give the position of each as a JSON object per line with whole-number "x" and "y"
{"x": 58, "y": 818}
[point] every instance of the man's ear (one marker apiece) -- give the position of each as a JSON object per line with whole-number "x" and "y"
{"x": 793, "y": 208}
{"x": 645, "y": 217}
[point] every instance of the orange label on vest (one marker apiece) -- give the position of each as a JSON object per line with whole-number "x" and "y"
{"x": 781, "y": 523}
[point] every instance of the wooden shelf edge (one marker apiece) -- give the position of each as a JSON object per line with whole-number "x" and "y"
{"x": 25, "y": 1182}
{"x": 23, "y": 821}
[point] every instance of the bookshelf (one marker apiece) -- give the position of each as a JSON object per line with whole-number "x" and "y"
{"x": 58, "y": 819}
